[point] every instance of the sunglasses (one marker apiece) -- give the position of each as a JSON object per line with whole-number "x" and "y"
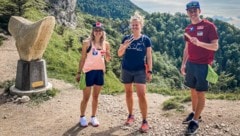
{"x": 192, "y": 10}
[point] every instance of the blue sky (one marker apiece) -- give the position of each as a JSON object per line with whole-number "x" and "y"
{"x": 226, "y": 10}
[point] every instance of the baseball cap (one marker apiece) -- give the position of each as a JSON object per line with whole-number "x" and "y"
{"x": 192, "y": 4}
{"x": 98, "y": 25}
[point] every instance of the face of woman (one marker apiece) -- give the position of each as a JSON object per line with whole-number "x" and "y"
{"x": 98, "y": 32}
{"x": 136, "y": 26}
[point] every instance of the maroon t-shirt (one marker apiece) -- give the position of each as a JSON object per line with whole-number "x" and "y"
{"x": 205, "y": 31}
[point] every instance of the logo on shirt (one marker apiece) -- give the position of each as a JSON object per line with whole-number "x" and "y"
{"x": 94, "y": 52}
{"x": 200, "y": 27}
{"x": 200, "y": 33}
{"x": 191, "y": 29}
{"x": 138, "y": 46}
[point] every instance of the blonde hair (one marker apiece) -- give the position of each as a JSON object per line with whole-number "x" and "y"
{"x": 137, "y": 17}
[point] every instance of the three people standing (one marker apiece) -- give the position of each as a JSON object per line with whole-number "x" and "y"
{"x": 201, "y": 43}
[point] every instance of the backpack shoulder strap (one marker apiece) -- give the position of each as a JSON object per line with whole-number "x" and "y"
{"x": 143, "y": 36}
{"x": 89, "y": 47}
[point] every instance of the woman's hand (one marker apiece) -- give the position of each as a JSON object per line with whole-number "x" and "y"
{"x": 128, "y": 42}
{"x": 149, "y": 77}
{"x": 124, "y": 46}
{"x": 78, "y": 76}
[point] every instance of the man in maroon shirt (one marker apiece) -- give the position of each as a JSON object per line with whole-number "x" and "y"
{"x": 201, "y": 43}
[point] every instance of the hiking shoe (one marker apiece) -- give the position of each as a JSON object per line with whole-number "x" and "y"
{"x": 130, "y": 120}
{"x": 83, "y": 122}
{"x": 192, "y": 128}
{"x": 144, "y": 128}
{"x": 94, "y": 122}
{"x": 189, "y": 118}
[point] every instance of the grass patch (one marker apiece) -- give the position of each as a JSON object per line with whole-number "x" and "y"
{"x": 49, "y": 94}
{"x": 223, "y": 96}
{"x": 2, "y": 38}
{"x": 176, "y": 103}
{"x": 112, "y": 84}
{"x": 7, "y": 84}
{"x": 183, "y": 96}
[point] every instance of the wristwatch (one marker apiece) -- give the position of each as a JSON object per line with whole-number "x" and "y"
{"x": 150, "y": 72}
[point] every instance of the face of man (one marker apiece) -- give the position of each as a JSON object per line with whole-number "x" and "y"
{"x": 193, "y": 13}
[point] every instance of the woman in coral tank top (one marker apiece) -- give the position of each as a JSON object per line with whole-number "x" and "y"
{"x": 92, "y": 63}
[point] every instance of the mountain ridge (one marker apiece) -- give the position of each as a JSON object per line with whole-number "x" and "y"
{"x": 121, "y": 9}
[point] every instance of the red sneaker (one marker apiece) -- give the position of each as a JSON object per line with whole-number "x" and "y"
{"x": 130, "y": 120}
{"x": 144, "y": 128}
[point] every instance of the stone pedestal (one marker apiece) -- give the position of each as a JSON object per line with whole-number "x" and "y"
{"x": 31, "y": 78}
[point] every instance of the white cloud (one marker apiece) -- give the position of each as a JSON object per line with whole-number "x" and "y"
{"x": 235, "y": 21}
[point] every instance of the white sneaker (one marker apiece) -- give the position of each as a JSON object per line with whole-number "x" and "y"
{"x": 94, "y": 122}
{"x": 83, "y": 122}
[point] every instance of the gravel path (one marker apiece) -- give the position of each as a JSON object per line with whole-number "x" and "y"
{"x": 60, "y": 115}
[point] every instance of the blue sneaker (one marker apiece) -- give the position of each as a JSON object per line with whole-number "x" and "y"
{"x": 192, "y": 128}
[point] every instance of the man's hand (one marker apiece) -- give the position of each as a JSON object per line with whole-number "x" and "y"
{"x": 183, "y": 70}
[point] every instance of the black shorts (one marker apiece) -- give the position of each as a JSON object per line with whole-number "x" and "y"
{"x": 133, "y": 76}
{"x": 196, "y": 76}
{"x": 94, "y": 77}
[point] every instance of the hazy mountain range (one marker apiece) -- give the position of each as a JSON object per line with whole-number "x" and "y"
{"x": 227, "y": 11}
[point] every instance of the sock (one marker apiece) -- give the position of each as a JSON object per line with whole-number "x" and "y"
{"x": 144, "y": 121}
{"x": 196, "y": 121}
{"x": 130, "y": 115}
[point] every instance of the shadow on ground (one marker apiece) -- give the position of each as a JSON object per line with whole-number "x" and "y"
{"x": 2, "y": 96}
{"x": 111, "y": 132}
{"x": 73, "y": 131}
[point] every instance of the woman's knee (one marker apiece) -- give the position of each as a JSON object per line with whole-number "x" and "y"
{"x": 85, "y": 99}
{"x": 141, "y": 95}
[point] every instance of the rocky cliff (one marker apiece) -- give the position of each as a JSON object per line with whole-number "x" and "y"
{"x": 64, "y": 12}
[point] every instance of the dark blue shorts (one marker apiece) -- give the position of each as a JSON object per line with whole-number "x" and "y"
{"x": 196, "y": 76}
{"x": 94, "y": 77}
{"x": 133, "y": 76}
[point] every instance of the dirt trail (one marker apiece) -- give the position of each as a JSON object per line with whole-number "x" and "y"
{"x": 60, "y": 115}
{"x": 8, "y": 60}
